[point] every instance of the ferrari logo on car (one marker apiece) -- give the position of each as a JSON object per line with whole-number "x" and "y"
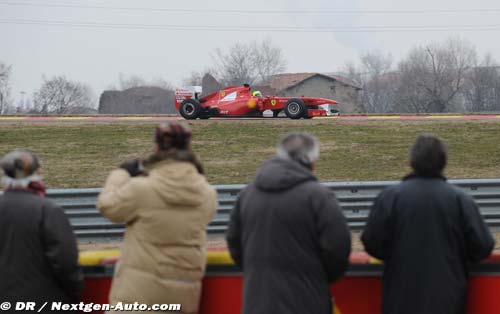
{"x": 273, "y": 102}
{"x": 222, "y": 93}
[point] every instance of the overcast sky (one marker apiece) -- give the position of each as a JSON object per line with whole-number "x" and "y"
{"x": 94, "y": 41}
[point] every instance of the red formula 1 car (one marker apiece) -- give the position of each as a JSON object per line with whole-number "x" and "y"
{"x": 238, "y": 101}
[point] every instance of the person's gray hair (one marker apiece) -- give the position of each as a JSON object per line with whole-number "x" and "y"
{"x": 300, "y": 147}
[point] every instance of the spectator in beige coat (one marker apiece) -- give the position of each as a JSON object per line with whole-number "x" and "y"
{"x": 166, "y": 204}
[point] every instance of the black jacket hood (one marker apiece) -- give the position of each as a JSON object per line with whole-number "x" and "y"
{"x": 278, "y": 174}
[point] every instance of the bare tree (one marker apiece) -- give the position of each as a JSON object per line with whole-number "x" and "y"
{"x": 431, "y": 77}
{"x": 377, "y": 80}
{"x": 59, "y": 95}
{"x": 234, "y": 67}
{"x": 379, "y": 89}
{"x": 5, "y": 99}
{"x": 354, "y": 73}
{"x": 267, "y": 60}
{"x": 248, "y": 63}
{"x": 482, "y": 86}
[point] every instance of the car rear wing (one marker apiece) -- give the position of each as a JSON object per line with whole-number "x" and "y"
{"x": 186, "y": 92}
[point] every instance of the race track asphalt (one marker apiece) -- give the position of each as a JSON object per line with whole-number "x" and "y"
{"x": 165, "y": 118}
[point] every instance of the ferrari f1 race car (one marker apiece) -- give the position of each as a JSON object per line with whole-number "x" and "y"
{"x": 239, "y": 101}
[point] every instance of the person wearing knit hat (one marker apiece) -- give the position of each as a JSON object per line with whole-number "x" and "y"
{"x": 38, "y": 251}
{"x": 20, "y": 168}
{"x": 172, "y": 141}
{"x": 173, "y": 135}
{"x": 166, "y": 203}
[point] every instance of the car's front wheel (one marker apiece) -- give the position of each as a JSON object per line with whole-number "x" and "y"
{"x": 190, "y": 109}
{"x": 295, "y": 108}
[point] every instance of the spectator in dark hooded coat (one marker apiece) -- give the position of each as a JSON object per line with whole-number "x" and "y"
{"x": 288, "y": 234}
{"x": 38, "y": 251}
{"x": 427, "y": 232}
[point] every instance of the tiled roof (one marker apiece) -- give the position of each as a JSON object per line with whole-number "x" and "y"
{"x": 284, "y": 81}
{"x": 342, "y": 79}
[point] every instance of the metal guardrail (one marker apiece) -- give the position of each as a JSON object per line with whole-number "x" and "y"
{"x": 355, "y": 198}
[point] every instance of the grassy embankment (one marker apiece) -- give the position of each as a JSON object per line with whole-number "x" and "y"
{"x": 78, "y": 155}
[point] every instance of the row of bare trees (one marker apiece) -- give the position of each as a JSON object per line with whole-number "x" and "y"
{"x": 59, "y": 95}
{"x": 251, "y": 63}
{"x": 56, "y": 95}
{"x": 242, "y": 63}
{"x": 441, "y": 77}
{"x": 248, "y": 63}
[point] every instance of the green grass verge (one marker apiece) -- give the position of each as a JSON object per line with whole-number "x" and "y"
{"x": 81, "y": 154}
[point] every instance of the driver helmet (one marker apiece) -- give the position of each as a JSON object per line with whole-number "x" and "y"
{"x": 257, "y": 93}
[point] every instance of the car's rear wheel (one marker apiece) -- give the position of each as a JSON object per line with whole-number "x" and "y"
{"x": 295, "y": 108}
{"x": 190, "y": 109}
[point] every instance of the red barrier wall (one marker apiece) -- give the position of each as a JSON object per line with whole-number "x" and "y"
{"x": 357, "y": 293}
{"x": 353, "y": 295}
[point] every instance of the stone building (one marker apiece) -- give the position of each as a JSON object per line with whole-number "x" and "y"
{"x": 137, "y": 100}
{"x": 335, "y": 87}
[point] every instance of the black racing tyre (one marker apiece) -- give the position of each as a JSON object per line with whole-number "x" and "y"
{"x": 295, "y": 108}
{"x": 190, "y": 109}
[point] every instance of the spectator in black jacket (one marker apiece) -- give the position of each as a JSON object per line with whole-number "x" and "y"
{"x": 427, "y": 232}
{"x": 38, "y": 252}
{"x": 288, "y": 234}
